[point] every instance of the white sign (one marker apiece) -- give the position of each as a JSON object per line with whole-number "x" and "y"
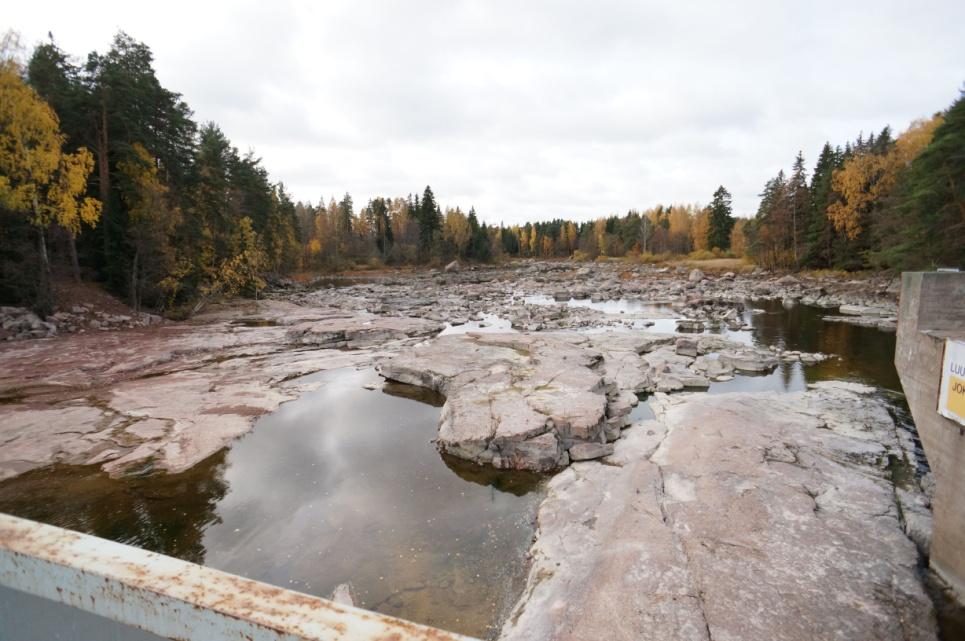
{"x": 951, "y": 395}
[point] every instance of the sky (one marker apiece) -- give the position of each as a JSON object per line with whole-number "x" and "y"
{"x": 531, "y": 110}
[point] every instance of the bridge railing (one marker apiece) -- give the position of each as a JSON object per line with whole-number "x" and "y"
{"x": 176, "y": 599}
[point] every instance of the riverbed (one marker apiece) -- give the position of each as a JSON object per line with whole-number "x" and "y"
{"x": 343, "y": 485}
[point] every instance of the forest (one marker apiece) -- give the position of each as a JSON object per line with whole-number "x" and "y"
{"x": 105, "y": 176}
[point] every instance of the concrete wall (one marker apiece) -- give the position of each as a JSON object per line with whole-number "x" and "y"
{"x": 932, "y": 309}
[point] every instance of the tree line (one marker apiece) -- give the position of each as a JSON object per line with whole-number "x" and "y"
{"x": 104, "y": 172}
{"x": 105, "y": 175}
{"x": 415, "y": 229}
{"x": 879, "y": 202}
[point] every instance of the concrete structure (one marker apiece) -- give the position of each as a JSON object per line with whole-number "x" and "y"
{"x": 932, "y": 310}
{"x": 175, "y": 599}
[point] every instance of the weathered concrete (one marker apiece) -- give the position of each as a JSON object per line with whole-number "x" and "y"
{"x": 933, "y": 309}
{"x": 752, "y": 517}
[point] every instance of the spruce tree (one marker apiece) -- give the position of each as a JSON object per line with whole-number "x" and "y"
{"x": 721, "y": 220}
{"x": 799, "y": 207}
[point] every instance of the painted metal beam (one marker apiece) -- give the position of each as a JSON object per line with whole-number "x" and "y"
{"x": 177, "y": 599}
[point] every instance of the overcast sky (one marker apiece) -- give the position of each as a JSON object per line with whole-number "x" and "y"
{"x": 533, "y": 110}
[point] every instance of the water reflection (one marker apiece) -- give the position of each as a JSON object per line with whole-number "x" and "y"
{"x": 340, "y": 486}
{"x": 610, "y": 306}
{"x": 162, "y": 513}
{"x": 489, "y": 324}
{"x": 866, "y": 355}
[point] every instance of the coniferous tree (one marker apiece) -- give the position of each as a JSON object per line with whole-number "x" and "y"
{"x": 820, "y": 231}
{"x": 799, "y": 207}
{"x": 720, "y": 220}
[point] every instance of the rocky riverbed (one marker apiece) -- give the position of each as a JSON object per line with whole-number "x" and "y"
{"x": 740, "y": 516}
{"x": 728, "y": 515}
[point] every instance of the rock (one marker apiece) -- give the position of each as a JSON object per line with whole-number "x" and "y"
{"x": 727, "y": 508}
{"x": 712, "y": 367}
{"x": 688, "y": 325}
{"x": 866, "y": 310}
{"x": 750, "y": 360}
{"x": 686, "y": 347}
{"x": 453, "y": 267}
{"x": 512, "y": 401}
{"x": 695, "y": 276}
{"x": 588, "y": 451}
{"x": 343, "y": 595}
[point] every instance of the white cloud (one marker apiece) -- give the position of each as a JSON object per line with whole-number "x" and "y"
{"x": 536, "y": 109}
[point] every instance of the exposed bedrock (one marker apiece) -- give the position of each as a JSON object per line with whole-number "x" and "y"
{"x": 167, "y": 397}
{"x": 517, "y": 401}
{"x": 736, "y": 516}
{"x": 536, "y": 401}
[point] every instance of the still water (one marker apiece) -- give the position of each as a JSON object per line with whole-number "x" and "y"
{"x": 339, "y": 486}
{"x": 344, "y": 486}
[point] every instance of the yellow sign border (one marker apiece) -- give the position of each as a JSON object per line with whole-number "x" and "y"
{"x": 951, "y": 390}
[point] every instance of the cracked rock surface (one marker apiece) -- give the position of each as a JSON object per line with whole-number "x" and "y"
{"x": 734, "y": 516}
{"x": 537, "y": 400}
{"x": 167, "y": 397}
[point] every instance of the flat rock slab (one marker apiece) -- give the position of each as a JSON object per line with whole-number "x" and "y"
{"x": 170, "y": 396}
{"x": 753, "y": 517}
{"x": 514, "y": 401}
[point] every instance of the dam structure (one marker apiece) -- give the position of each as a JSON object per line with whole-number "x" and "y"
{"x": 931, "y": 321}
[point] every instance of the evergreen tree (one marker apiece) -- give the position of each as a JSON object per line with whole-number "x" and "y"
{"x": 930, "y": 210}
{"x": 820, "y": 231}
{"x": 721, "y": 220}
{"x": 799, "y": 207}
{"x": 429, "y": 219}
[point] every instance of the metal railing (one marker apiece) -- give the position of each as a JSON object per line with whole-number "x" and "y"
{"x": 176, "y": 599}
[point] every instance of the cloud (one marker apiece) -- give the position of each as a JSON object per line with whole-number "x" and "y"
{"x": 537, "y": 109}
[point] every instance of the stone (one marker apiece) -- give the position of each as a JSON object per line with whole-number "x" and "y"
{"x": 503, "y": 391}
{"x": 689, "y": 325}
{"x": 343, "y": 595}
{"x": 686, "y": 347}
{"x": 727, "y": 509}
{"x": 749, "y": 360}
{"x": 695, "y": 276}
{"x": 588, "y": 451}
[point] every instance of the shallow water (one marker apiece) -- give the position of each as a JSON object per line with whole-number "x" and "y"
{"x": 490, "y": 324}
{"x": 339, "y": 486}
{"x": 612, "y": 306}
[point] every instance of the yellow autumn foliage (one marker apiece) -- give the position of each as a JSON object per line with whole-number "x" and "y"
{"x": 36, "y": 177}
{"x": 866, "y": 178}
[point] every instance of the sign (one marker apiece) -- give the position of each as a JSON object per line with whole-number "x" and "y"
{"x": 951, "y": 395}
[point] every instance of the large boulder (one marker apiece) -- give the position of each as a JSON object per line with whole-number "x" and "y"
{"x": 516, "y": 401}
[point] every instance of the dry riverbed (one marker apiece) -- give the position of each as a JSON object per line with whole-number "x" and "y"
{"x": 725, "y": 516}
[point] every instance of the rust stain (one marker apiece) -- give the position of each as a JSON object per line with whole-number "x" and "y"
{"x": 268, "y": 607}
